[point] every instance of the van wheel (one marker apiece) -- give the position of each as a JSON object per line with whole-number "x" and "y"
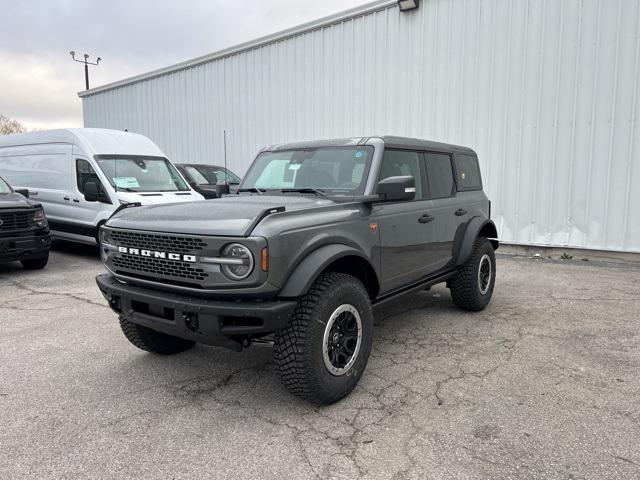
{"x": 472, "y": 287}
{"x": 323, "y": 350}
{"x": 35, "y": 263}
{"x": 151, "y": 341}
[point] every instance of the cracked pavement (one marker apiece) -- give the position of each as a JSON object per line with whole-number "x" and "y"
{"x": 541, "y": 385}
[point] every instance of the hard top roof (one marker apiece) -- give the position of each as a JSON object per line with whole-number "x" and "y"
{"x": 388, "y": 140}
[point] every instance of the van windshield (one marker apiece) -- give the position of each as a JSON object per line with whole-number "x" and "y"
{"x": 131, "y": 173}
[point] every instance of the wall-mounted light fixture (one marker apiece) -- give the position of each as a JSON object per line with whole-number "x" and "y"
{"x": 406, "y": 5}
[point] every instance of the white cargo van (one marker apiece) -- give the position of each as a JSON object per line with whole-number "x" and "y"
{"x": 56, "y": 165}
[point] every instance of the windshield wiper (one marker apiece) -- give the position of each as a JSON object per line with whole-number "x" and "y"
{"x": 252, "y": 190}
{"x": 305, "y": 190}
{"x": 127, "y": 189}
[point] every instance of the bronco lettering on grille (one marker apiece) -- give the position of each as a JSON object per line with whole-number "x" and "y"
{"x": 154, "y": 254}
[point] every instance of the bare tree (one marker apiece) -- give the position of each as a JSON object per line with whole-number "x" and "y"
{"x": 9, "y": 126}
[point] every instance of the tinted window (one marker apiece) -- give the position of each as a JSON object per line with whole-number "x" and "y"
{"x": 468, "y": 172}
{"x": 85, "y": 173}
{"x": 439, "y": 175}
{"x": 396, "y": 163}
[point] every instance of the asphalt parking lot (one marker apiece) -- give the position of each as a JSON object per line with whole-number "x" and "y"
{"x": 542, "y": 384}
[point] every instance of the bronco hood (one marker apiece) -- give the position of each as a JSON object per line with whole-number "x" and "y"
{"x": 230, "y": 216}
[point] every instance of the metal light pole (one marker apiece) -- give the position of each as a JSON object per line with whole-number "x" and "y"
{"x": 86, "y": 65}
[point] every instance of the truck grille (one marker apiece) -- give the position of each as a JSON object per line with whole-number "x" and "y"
{"x": 148, "y": 241}
{"x": 154, "y": 267}
{"x": 16, "y": 220}
{"x": 146, "y": 265}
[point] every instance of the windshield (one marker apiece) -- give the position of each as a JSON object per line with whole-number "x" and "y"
{"x": 211, "y": 175}
{"x": 4, "y": 187}
{"x": 141, "y": 174}
{"x": 333, "y": 170}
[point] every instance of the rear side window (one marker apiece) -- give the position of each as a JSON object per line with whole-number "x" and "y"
{"x": 467, "y": 172}
{"x": 439, "y": 175}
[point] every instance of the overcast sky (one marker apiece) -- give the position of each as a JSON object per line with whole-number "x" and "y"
{"x": 39, "y": 82}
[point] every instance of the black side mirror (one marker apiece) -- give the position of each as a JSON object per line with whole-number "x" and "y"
{"x": 22, "y": 191}
{"x": 397, "y": 189}
{"x": 91, "y": 192}
{"x": 222, "y": 189}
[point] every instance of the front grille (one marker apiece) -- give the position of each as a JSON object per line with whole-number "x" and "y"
{"x": 165, "y": 243}
{"x": 154, "y": 266}
{"x": 16, "y": 220}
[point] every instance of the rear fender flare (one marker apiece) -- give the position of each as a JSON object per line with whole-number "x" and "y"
{"x": 471, "y": 233}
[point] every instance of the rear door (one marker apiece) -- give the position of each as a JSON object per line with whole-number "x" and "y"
{"x": 403, "y": 235}
{"x": 441, "y": 193}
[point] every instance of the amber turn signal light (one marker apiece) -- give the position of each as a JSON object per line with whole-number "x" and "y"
{"x": 264, "y": 259}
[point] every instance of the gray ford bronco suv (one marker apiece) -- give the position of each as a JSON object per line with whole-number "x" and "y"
{"x": 318, "y": 234}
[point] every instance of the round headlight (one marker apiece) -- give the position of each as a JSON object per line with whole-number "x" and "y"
{"x": 240, "y": 261}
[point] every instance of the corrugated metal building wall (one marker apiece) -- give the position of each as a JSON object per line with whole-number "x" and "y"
{"x": 546, "y": 91}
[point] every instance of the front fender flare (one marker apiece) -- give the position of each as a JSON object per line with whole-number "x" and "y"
{"x": 474, "y": 227}
{"x": 305, "y": 273}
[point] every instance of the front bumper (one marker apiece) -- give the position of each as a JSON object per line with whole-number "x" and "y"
{"x": 24, "y": 247}
{"x": 212, "y": 322}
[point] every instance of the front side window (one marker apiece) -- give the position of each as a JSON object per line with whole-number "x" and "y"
{"x": 400, "y": 163}
{"x": 85, "y": 173}
{"x": 333, "y": 170}
{"x": 439, "y": 175}
{"x": 132, "y": 173}
{"x": 4, "y": 187}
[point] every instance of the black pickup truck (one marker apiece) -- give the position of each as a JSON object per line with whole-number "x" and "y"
{"x": 24, "y": 232}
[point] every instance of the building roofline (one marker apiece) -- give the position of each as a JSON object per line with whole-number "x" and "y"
{"x": 323, "y": 22}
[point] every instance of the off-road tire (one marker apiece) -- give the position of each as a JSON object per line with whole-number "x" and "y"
{"x": 151, "y": 341}
{"x": 465, "y": 289}
{"x": 298, "y": 347}
{"x": 35, "y": 263}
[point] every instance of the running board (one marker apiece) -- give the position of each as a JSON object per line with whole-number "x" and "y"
{"x": 414, "y": 287}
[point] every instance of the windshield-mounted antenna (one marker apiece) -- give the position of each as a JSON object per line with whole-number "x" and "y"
{"x": 115, "y": 172}
{"x": 224, "y": 137}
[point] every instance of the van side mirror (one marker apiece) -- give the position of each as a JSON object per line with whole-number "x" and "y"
{"x": 397, "y": 189}
{"x": 91, "y": 192}
{"x": 22, "y": 191}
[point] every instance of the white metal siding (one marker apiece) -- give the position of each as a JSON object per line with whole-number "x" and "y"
{"x": 546, "y": 91}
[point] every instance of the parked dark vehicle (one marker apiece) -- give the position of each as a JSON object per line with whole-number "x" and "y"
{"x": 24, "y": 232}
{"x": 207, "y": 179}
{"x": 319, "y": 234}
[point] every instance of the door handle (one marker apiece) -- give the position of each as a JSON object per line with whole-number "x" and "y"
{"x": 76, "y": 200}
{"x": 460, "y": 212}
{"x": 66, "y": 198}
{"x": 426, "y": 218}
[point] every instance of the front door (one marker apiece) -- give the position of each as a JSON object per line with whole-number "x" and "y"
{"x": 403, "y": 226}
